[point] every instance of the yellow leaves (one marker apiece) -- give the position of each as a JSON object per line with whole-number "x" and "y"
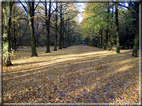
{"x": 47, "y": 92}
{"x": 27, "y": 90}
{"x": 25, "y": 47}
{"x": 75, "y": 74}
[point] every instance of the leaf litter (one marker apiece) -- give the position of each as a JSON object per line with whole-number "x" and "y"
{"x": 77, "y": 74}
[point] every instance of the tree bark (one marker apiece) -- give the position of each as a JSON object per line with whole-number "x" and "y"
{"x": 47, "y": 25}
{"x": 31, "y": 26}
{"x": 60, "y": 40}
{"x": 101, "y": 43}
{"x": 6, "y": 33}
{"x": 68, "y": 31}
{"x": 117, "y": 30}
{"x": 55, "y": 38}
{"x": 63, "y": 41}
{"x": 106, "y": 40}
{"x": 136, "y": 40}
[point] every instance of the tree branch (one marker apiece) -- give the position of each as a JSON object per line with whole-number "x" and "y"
{"x": 23, "y": 6}
{"x": 135, "y": 13}
{"x": 37, "y": 5}
{"x": 23, "y": 19}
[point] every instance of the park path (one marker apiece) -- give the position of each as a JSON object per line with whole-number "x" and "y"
{"x": 77, "y": 74}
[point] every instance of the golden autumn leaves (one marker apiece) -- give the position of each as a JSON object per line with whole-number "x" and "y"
{"x": 78, "y": 74}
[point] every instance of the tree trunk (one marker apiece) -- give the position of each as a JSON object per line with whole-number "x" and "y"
{"x": 106, "y": 41}
{"x": 117, "y": 30}
{"x": 60, "y": 40}
{"x": 47, "y": 25}
{"x": 6, "y": 34}
{"x": 71, "y": 40}
{"x": 68, "y": 31}
{"x": 55, "y": 38}
{"x": 98, "y": 41}
{"x": 65, "y": 37}
{"x": 31, "y": 26}
{"x": 63, "y": 40}
{"x": 136, "y": 40}
{"x": 101, "y": 44}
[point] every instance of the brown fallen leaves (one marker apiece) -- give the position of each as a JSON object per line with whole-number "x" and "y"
{"x": 78, "y": 74}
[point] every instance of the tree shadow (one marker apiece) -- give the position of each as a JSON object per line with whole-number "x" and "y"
{"x": 96, "y": 77}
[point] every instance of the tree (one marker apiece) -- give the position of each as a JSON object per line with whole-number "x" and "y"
{"x": 55, "y": 38}
{"x": 60, "y": 39}
{"x": 135, "y": 12}
{"x": 136, "y": 40}
{"x": 39, "y": 29}
{"x": 67, "y": 29}
{"x": 7, "y": 7}
{"x": 30, "y": 11}
{"x": 47, "y": 24}
{"x": 18, "y": 26}
{"x": 117, "y": 30}
{"x": 31, "y": 25}
{"x": 63, "y": 31}
{"x": 95, "y": 22}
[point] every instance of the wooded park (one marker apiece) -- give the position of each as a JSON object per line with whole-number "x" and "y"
{"x": 50, "y": 55}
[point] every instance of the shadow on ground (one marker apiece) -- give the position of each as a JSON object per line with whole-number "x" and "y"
{"x": 79, "y": 74}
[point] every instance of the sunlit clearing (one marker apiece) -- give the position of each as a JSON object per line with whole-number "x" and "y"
{"x": 78, "y": 74}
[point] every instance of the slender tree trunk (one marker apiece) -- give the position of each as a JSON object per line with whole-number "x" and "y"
{"x": 70, "y": 39}
{"x": 68, "y": 31}
{"x": 97, "y": 41}
{"x": 63, "y": 34}
{"x": 60, "y": 40}
{"x": 106, "y": 40}
{"x": 110, "y": 35}
{"x": 107, "y": 30}
{"x": 47, "y": 25}
{"x": 65, "y": 37}
{"x": 55, "y": 38}
{"x": 101, "y": 40}
{"x": 136, "y": 40}
{"x": 31, "y": 25}
{"x": 14, "y": 36}
{"x": 6, "y": 33}
{"x": 117, "y": 30}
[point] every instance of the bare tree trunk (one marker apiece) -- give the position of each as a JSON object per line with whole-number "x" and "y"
{"x": 63, "y": 44}
{"x": 60, "y": 40}
{"x": 47, "y": 25}
{"x": 55, "y": 38}
{"x": 101, "y": 42}
{"x": 31, "y": 25}
{"x": 66, "y": 33}
{"x": 6, "y": 33}
{"x": 68, "y": 30}
{"x": 136, "y": 40}
{"x": 117, "y": 30}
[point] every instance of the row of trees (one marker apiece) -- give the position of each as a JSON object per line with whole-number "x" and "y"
{"x": 37, "y": 20}
{"x": 106, "y": 25}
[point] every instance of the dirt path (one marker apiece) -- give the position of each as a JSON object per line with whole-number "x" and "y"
{"x": 77, "y": 74}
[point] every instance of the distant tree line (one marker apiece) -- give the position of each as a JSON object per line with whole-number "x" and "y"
{"x": 112, "y": 25}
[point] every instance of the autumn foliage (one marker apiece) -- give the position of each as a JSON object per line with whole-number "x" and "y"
{"x": 77, "y": 74}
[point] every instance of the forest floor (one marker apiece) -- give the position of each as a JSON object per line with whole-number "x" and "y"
{"x": 77, "y": 74}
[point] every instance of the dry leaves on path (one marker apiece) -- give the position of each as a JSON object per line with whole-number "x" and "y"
{"x": 77, "y": 74}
